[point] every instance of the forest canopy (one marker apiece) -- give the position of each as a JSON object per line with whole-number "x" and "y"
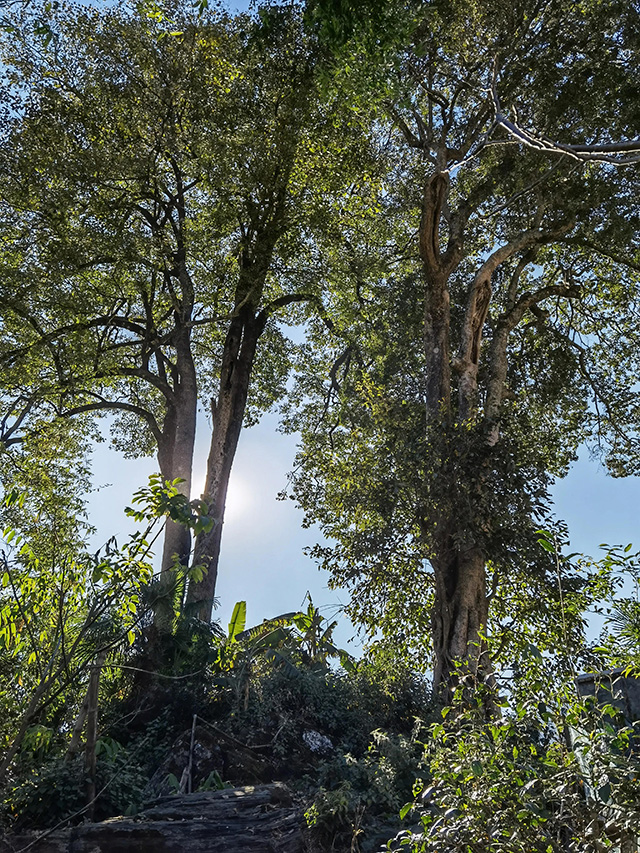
{"x": 412, "y": 229}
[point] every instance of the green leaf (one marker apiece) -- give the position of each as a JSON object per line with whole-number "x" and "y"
{"x": 546, "y": 534}
{"x": 604, "y": 793}
{"x": 238, "y": 619}
{"x": 404, "y": 811}
{"x": 197, "y": 573}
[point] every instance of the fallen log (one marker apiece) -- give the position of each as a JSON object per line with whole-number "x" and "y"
{"x": 260, "y": 819}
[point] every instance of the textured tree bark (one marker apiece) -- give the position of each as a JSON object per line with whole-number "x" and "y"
{"x": 246, "y": 326}
{"x": 459, "y": 619}
{"x": 460, "y": 608}
{"x": 175, "y": 455}
{"x": 78, "y": 727}
{"x": 175, "y": 460}
{"x": 260, "y": 819}
{"x": 237, "y": 362}
{"x": 436, "y": 305}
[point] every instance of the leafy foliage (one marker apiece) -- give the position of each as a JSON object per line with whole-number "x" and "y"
{"x": 61, "y": 609}
{"x": 519, "y": 784}
{"x": 478, "y": 318}
{"x": 436, "y": 193}
{"x": 55, "y": 791}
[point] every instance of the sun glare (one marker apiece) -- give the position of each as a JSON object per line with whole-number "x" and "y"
{"x": 239, "y": 499}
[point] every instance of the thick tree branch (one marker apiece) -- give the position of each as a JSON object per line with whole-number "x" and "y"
{"x": 628, "y": 150}
{"x": 8, "y": 434}
{"x": 46, "y": 338}
{"x": 410, "y": 137}
{"x": 107, "y": 405}
{"x": 344, "y": 361}
{"x": 291, "y": 299}
{"x": 144, "y": 374}
{"x": 478, "y": 307}
{"x": 434, "y": 197}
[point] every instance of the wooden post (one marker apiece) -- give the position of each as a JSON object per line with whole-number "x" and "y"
{"x": 92, "y": 733}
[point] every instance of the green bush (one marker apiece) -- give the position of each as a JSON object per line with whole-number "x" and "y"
{"x": 356, "y": 801}
{"x": 345, "y": 707}
{"x": 553, "y": 775}
{"x": 55, "y": 791}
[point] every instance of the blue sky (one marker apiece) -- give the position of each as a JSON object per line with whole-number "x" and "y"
{"x": 598, "y": 508}
{"x": 262, "y": 558}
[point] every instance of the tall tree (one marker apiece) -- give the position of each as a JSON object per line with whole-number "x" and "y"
{"x": 99, "y": 154}
{"x": 502, "y": 332}
{"x": 161, "y": 179}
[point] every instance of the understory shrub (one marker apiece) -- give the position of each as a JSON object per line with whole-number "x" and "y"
{"x": 554, "y": 774}
{"x": 55, "y": 791}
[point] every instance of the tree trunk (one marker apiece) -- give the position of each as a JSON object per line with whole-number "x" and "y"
{"x": 175, "y": 459}
{"x": 459, "y": 620}
{"x": 237, "y": 362}
{"x": 437, "y": 309}
{"x": 78, "y": 727}
{"x": 460, "y": 608}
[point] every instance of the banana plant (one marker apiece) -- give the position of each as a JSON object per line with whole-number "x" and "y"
{"x": 298, "y": 634}
{"x": 314, "y": 636}
{"x": 284, "y": 641}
